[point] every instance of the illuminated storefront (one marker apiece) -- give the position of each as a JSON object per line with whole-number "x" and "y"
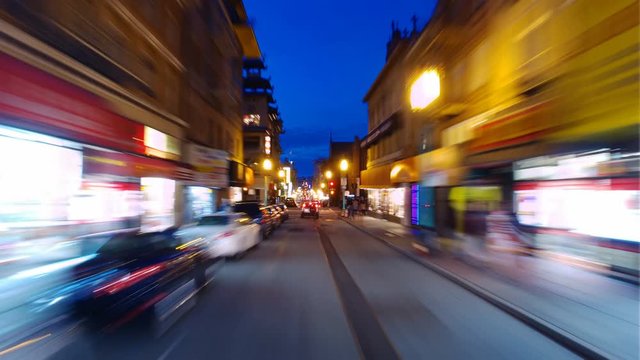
{"x": 158, "y": 203}
{"x": 390, "y": 202}
{"x": 40, "y": 176}
{"x": 576, "y": 193}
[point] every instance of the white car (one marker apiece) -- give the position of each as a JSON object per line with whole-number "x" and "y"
{"x": 223, "y": 234}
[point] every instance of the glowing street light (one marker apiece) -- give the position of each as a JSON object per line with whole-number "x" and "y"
{"x": 267, "y": 164}
{"x": 425, "y": 89}
{"x": 323, "y": 185}
{"x": 328, "y": 174}
{"x": 281, "y": 173}
{"x": 344, "y": 165}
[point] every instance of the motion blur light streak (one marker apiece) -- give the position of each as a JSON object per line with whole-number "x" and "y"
{"x": 49, "y": 268}
{"x": 24, "y": 344}
{"x": 127, "y": 280}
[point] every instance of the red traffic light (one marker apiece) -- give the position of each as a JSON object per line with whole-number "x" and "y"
{"x": 331, "y": 183}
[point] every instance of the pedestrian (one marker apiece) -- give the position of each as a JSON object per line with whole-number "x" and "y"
{"x": 354, "y": 208}
{"x": 363, "y": 207}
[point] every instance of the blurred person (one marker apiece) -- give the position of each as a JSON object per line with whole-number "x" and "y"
{"x": 363, "y": 207}
{"x": 504, "y": 237}
{"x": 355, "y": 205}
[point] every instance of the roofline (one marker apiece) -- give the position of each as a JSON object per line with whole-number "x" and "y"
{"x": 381, "y": 75}
{"x": 409, "y": 48}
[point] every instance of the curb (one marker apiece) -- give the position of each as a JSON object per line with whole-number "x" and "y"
{"x": 553, "y": 332}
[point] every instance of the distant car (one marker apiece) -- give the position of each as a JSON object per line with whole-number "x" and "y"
{"x": 285, "y": 211}
{"x": 129, "y": 276}
{"x": 310, "y": 208}
{"x": 258, "y": 213}
{"x": 224, "y": 234}
{"x": 290, "y": 202}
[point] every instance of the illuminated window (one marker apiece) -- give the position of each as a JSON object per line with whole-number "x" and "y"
{"x": 251, "y": 119}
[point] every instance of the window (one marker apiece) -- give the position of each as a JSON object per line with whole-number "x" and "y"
{"x": 213, "y": 220}
{"x": 228, "y": 141}
{"x": 251, "y": 144}
{"x": 251, "y": 120}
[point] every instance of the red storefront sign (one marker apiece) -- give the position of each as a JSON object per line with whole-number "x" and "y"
{"x": 34, "y": 100}
{"x": 98, "y": 162}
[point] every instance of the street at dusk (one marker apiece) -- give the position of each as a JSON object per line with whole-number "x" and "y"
{"x": 366, "y": 179}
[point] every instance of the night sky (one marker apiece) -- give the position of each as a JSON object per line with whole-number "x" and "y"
{"x": 322, "y": 56}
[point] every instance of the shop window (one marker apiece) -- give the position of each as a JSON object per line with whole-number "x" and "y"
{"x": 158, "y": 203}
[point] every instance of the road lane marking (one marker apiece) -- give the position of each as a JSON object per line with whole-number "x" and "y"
{"x": 172, "y": 347}
{"x": 24, "y": 344}
{"x": 550, "y": 330}
{"x": 370, "y": 336}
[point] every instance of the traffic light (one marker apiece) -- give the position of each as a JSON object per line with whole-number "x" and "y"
{"x": 332, "y": 184}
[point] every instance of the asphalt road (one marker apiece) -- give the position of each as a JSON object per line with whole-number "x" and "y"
{"x": 317, "y": 289}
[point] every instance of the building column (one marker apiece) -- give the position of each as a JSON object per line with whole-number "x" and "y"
{"x": 179, "y": 201}
{"x": 406, "y": 220}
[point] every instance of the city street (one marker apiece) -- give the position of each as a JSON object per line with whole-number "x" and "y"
{"x": 317, "y": 289}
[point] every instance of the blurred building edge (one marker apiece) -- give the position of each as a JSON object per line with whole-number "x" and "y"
{"x": 262, "y": 127}
{"x": 534, "y": 108}
{"x": 144, "y": 100}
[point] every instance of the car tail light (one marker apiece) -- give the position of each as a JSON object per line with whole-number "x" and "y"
{"x": 128, "y": 280}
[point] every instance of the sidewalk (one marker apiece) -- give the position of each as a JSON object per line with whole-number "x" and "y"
{"x": 597, "y": 310}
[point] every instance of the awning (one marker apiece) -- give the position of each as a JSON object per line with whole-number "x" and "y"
{"x": 506, "y": 156}
{"x": 519, "y": 124}
{"x": 405, "y": 171}
{"x": 378, "y": 177}
{"x": 379, "y": 131}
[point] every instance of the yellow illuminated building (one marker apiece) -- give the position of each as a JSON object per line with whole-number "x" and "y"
{"x": 516, "y": 80}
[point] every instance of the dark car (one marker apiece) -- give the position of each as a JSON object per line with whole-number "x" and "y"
{"x": 133, "y": 275}
{"x": 258, "y": 213}
{"x": 277, "y": 214}
{"x": 285, "y": 211}
{"x": 290, "y": 202}
{"x": 310, "y": 208}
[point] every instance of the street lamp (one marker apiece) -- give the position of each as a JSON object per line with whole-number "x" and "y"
{"x": 344, "y": 166}
{"x": 267, "y": 165}
{"x": 281, "y": 173}
{"x": 424, "y": 90}
{"x": 328, "y": 174}
{"x": 323, "y": 185}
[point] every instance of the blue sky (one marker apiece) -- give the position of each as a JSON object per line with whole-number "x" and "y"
{"x": 322, "y": 56}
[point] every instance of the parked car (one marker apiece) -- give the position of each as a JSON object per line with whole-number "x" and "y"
{"x": 285, "y": 211}
{"x": 258, "y": 213}
{"x": 224, "y": 234}
{"x": 276, "y": 214}
{"x": 129, "y": 276}
{"x": 310, "y": 208}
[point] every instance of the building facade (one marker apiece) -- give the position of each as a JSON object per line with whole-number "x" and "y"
{"x": 262, "y": 126}
{"x": 143, "y": 129}
{"x": 508, "y": 105}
